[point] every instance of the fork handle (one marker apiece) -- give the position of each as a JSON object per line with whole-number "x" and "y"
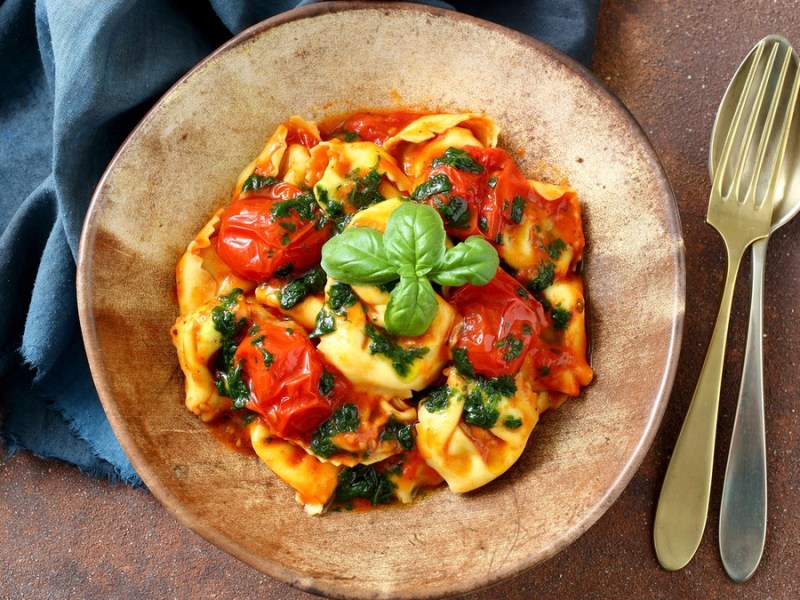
{"x": 683, "y": 504}
{"x": 743, "y": 514}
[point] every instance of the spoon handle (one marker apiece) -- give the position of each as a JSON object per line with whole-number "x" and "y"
{"x": 743, "y": 514}
{"x": 683, "y": 505}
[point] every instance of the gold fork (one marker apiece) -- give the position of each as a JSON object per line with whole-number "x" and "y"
{"x": 740, "y": 209}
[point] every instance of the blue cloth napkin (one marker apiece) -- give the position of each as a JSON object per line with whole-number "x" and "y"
{"x": 75, "y": 78}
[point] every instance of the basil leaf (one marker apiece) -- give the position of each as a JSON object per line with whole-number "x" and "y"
{"x": 472, "y": 261}
{"x": 412, "y": 307}
{"x": 357, "y": 256}
{"x": 415, "y": 237}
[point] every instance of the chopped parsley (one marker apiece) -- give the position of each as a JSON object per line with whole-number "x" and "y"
{"x": 364, "y": 481}
{"x": 397, "y": 431}
{"x": 229, "y": 381}
{"x": 304, "y": 206}
{"x": 402, "y": 358}
{"x": 544, "y": 371}
{"x": 229, "y": 327}
{"x": 512, "y": 422}
{"x": 285, "y": 270}
{"x": 455, "y": 212}
{"x": 458, "y": 159}
{"x": 517, "y": 209}
{"x": 561, "y": 317}
{"x": 438, "y": 184}
{"x": 503, "y": 385}
{"x": 256, "y": 182}
{"x": 480, "y": 410}
{"x": 248, "y": 417}
{"x": 310, "y": 282}
{"x": 342, "y": 220}
{"x": 322, "y": 194}
{"x": 438, "y": 399}
{"x": 231, "y": 384}
{"x": 512, "y": 345}
{"x": 480, "y": 405}
{"x": 365, "y": 190}
{"x": 326, "y": 383}
{"x": 544, "y": 278}
{"x": 341, "y": 297}
{"x": 462, "y": 362}
{"x": 557, "y": 246}
{"x": 325, "y": 323}
{"x": 492, "y": 182}
{"x": 268, "y": 357}
{"x": 344, "y": 419}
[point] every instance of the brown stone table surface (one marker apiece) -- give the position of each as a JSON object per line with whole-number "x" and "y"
{"x": 65, "y": 535}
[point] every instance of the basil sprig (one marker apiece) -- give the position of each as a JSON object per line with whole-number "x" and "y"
{"x": 411, "y": 249}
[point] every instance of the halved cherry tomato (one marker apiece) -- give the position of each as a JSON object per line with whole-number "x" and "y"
{"x": 489, "y": 194}
{"x": 261, "y": 232}
{"x": 501, "y": 321}
{"x": 286, "y": 374}
{"x": 371, "y": 127}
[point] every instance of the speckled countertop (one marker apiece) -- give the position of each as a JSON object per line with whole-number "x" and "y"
{"x": 64, "y": 535}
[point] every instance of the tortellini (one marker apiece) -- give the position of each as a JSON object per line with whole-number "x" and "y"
{"x": 411, "y": 364}
{"x": 302, "y": 367}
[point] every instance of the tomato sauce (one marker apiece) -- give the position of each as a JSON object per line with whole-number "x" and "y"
{"x": 370, "y": 126}
{"x": 231, "y": 428}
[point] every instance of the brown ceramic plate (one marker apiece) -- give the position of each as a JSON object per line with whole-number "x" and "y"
{"x": 180, "y": 164}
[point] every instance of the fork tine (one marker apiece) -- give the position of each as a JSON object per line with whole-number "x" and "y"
{"x": 767, "y": 133}
{"x": 787, "y": 126}
{"x": 722, "y": 167}
{"x": 752, "y": 120}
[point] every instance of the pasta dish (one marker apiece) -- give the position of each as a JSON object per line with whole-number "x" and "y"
{"x": 386, "y": 304}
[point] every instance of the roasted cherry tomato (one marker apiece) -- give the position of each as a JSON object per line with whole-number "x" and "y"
{"x": 269, "y": 229}
{"x": 370, "y": 127}
{"x": 290, "y": 386}
{"x": 481, "y": 196}
{"x": 501, "y": 321}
